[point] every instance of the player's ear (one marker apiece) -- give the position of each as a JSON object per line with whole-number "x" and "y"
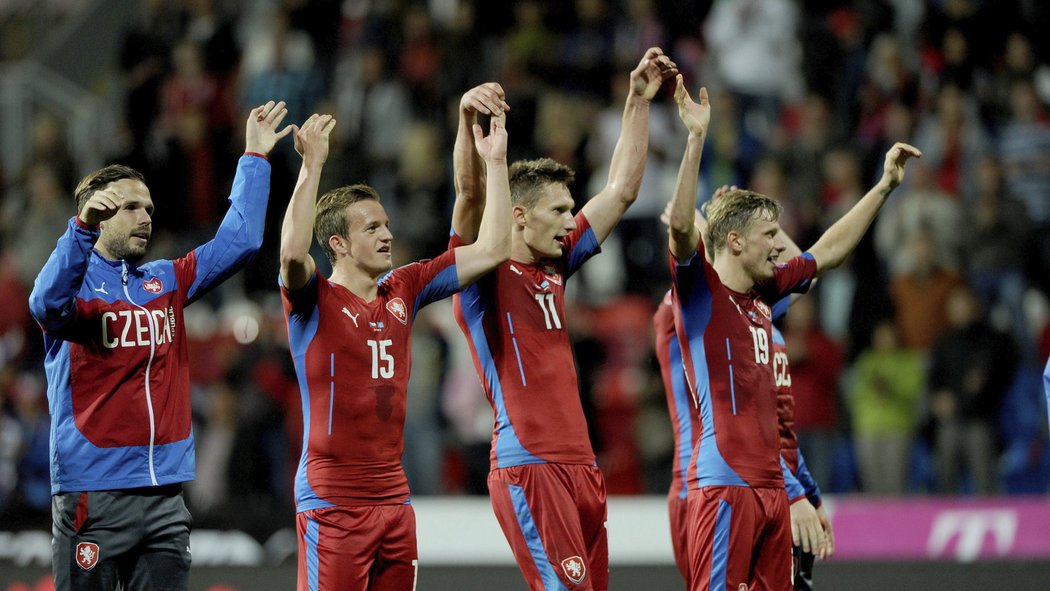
{"x": 735, "y": 241}
{"x": 518, "y": 213}
{"x": 339, "y": 245}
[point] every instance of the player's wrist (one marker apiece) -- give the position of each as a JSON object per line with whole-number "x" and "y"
{"x": 258, "y": 152}
{"x": 85, "y": 224}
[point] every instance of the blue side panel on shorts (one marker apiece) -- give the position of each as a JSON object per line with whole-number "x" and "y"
{"x": 551, "y": 582}
{"x": 313, "y": 532}
{"x": 509, "y": 450}
{"x": 720, "y": 547}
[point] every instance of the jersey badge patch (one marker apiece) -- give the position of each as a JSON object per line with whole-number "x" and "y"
{"x": 398, "y": 308}
{"x": 574, "y": 569}
{"x": 377, "y": 326}
{"x": 763, "y": 308}
{"x": 552, "y": 274}
{"x": 153, "y": 285}
{"x": 87, "y": 555}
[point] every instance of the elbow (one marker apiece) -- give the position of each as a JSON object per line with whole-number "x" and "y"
{"x": 291, "y": 256}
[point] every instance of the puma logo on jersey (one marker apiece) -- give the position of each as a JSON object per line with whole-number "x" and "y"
{"x": 352, "y": 316}
{"x": 102, "y": 289}
{"x": 515, "y": 269}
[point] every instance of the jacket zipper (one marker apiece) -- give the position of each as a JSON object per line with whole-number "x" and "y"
{"x": 149, "y": 365}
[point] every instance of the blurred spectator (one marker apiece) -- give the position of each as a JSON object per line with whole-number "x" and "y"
{"x": 953, "y": 140}
{"x": 921, "y": 295}
{"x": 996, "y": 250}
{"x": 884, "y": 393}
{"x": 971, "y": 367}
{"x": 816, "y": 363}
{"x": 920, "y": 208}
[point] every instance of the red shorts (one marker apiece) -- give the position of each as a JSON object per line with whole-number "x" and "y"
{"x": 678, "y": 511}
{"x": 553, "y": 516}
{"x": 357, "y": 548}
{"x": 739, "y": 538}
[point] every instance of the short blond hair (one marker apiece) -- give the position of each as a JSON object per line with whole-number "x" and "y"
{"x": 735, "y": 211}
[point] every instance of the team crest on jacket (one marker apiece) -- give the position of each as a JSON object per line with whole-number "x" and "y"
{"x": 574, "y": 569}
{"x": 153, "y": 285}
{"x": 87, "y": 555}
{"x": 398, "y": 308}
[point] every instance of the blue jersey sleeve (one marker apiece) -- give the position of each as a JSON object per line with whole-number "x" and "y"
{"x": 781, "y": 307}
{"x": 54, "y": 297}
{"x": 791, "y": 484}
{"x": 807, "y": 481}
{"x": 580, "y": 245}
{"x": 239, "y": 236}
{"x": 1046, "y": 387}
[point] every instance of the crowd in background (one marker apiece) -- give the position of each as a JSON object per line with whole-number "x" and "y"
{"x": 915, "y": 367}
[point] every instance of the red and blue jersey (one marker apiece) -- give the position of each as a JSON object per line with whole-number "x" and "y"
{"x": 514, "y": 321}
{"x": 679, "y": 403}
{"x": 789, "y": 450}
{"x": 115, "y": 347}
{"x": 352, "y": 360}
{"x": 725, "y": 340}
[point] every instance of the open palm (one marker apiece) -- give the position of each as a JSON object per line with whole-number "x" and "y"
{"x": 493, "y": 146}
{"x": 696, "y": 115}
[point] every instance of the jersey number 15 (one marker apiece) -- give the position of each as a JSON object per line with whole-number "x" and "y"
{"x": 382, "y": 362}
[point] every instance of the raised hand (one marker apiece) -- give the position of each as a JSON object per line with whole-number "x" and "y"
{"x": 260, "y": 134}
{"x": 896, "y": 158}
{"x": 487, "y": 99}
{"x": 492, "y": 148}
{"x": 311, "y": 140}
{"x": 102, "y": 205}
{"x": 651, "y": 72}
{"x": 695, "y": 115}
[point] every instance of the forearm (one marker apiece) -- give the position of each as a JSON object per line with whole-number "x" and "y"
{"x": 684, "y": 233}
{"x": 53, "y": 299}
{"x": 246, "y": 217}
{"x": 468, "y": 169}
{"x": 842, "y": 237}
{"x": 628, "y": 161}
{"x": 297, "y": 227}
{"x": 495, "y": 229}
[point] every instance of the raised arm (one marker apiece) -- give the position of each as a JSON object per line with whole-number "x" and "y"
{"x": 240, "y": 234}
{"x": 467, "y": 166}
{"x": 605, "y": 209}
{"x": 311, "y": 142}
{"x": 493, "y": 244}
{"x": 683, "y": 230}
{"x": 842, "y": 237}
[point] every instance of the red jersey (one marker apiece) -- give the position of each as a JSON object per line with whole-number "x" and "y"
{"x": 514, "y": 321}
{"x": 725, "y": 340}
{"x": 353, "y": 359}
{"x": 679, "y": 404}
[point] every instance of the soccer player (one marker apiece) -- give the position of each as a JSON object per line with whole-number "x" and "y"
{"x": 546, "y": 491}
{"x": 739, "y": 529}
{"x": 685, "y": 428}
{"x": 350, "y": 341}
{"x": 118, "y": 379}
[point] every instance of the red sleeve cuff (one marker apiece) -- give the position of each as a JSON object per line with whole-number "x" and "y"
{"x": 801, "y": 497}
{"x": 263, "y": 156}
{"x": 80, "y": 223}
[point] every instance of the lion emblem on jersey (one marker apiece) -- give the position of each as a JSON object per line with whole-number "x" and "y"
{"x": 763, "y": 308}
{"x": 87, "y": 555}
{"x": 398, "y": 308}
{"x": 574, "y": 569}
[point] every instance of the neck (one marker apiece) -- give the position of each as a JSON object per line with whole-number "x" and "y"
{"x": 732, "y": 274}
{"x": 520, "y": 250}
{"x": 360, "y": 282}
